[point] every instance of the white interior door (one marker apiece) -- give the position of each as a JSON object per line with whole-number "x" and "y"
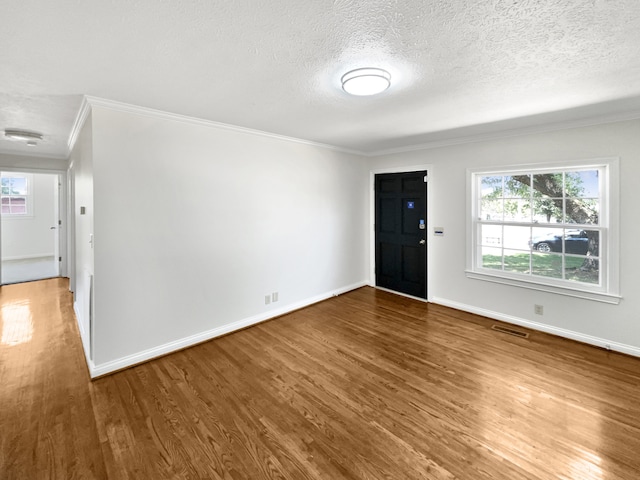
{"x": 30, "y": 233}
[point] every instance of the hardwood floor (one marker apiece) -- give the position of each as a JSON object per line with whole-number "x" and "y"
{"x": 47, "y": 425}
{"x": 367, "y": 385}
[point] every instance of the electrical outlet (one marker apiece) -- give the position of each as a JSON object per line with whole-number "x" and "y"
{"x": 538, "y": 309}
{"x": 274, "y": 297}
{"x": 267, "y": 299}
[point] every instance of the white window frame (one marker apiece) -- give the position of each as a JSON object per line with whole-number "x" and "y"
{"x": 608, "y": 291}
{"x": 29, "y": 195}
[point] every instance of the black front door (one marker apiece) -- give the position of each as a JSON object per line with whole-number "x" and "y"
{"x": 401, "y": 222}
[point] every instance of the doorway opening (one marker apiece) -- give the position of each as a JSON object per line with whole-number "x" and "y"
{"x": 399, "y": 248}
{"x": 30, "y": 226}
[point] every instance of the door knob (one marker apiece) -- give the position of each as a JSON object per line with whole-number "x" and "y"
{"x": 422, "y": 242}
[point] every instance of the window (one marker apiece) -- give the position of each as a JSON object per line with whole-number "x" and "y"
{"x": 16, "y": 195}
{"x": 546, "y": 227}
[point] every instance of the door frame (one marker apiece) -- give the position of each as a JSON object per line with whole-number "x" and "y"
{"x": 372, "y": 220}
{"x": 62, "y": 210}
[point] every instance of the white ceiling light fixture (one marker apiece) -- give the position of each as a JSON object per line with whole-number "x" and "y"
{"x": 366, "y": 81}
{"x": 30, "y": 137}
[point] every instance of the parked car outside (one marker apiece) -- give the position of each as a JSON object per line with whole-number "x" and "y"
{"x": 575, "y": 241}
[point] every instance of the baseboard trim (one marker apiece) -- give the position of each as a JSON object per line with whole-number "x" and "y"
{"x": 171, "y": 347}
{"x": 560, "y": 332}
{"x": 84, "y": 339}
{"x": 29, "y": 257}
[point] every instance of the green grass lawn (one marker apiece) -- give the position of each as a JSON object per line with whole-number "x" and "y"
{"x": 542, "y": 264}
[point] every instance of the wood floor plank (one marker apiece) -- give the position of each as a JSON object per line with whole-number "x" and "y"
{"x": 367, "y": 385}
{"x": 47, "y": 424}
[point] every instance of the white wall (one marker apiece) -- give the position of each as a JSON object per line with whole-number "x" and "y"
{"x": 31, "y": 236}
{"x": 594, "y": 322}
{"x": 195, "y": 224}
{"x": 30, "y": 163}
{"x": 81, "y": 172}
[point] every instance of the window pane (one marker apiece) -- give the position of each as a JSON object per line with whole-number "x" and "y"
{"x": 491, "y": 186}
{"x": 491, "y": 257}
{"x": 546, "y": 265}
{"x": 583, "y": 269}
{"x": 577, "y": 241}
{"x": 547, "y": 209}
{"x": 517, "y": 186}
{"x": 517, "y": 210}
{"x": 517, "y": 237}
{"x": 14, "y": 205}
{"x": 547, "y": 197}
{"x": 548, "y": 185}
{"x": 491, "y": 193}
{"x": 582, "y": 191}
{"x": 6, "y": 185}
{"x": 491, "y": 235}
{"x": 517, "y": 261}
{"x": 18, "y": 185}
{"x": 547, "y": 240}
{"x": 582, "y": 184}
{"x": 583, "y": 210}
{"x": 491, "y": 209}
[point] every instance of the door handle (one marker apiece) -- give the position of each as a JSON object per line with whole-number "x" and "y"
{"x": 423, "y": 242}
{"x": 52, "y": 228}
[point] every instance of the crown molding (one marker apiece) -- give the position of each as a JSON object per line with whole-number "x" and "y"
{"x": 90, "y": 101}
{"x": 512, "y": 132}
{"x": 499, "y": 133}
{"x": 83, "y": 113}
{"x": 44, "y": 156}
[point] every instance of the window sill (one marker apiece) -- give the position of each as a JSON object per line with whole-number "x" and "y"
{"x": 570, "y": 292}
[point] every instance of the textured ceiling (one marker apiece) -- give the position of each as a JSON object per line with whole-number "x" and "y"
{"x": 459, "y": 67}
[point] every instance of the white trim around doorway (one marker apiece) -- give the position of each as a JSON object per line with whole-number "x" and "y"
{"x": 63, "y": 270}
{"x": 372, "y": 219}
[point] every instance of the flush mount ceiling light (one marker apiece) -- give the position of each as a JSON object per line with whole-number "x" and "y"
{"x": 25, "y": 135}
{"x": 366, "y": 81}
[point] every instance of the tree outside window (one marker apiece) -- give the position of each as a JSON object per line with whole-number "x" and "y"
{"x": 547, "y": 227}
{"x": 542, "y": 224}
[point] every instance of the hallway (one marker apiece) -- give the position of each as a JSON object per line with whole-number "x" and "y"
{"x": 48, "y": 426}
